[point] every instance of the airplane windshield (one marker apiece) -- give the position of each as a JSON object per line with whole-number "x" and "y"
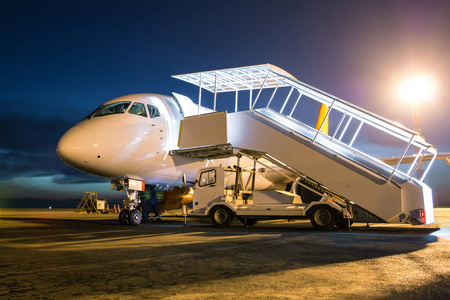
{"x": 94, "y": 112}
{"x": 138, "y": 109}
{"x": 113, "y": 108}
{"x": 153, "y": 110}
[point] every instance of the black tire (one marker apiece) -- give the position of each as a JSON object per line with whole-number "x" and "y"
{"x": 221, "y": 216}
{"x": 323, "y": 217}
{"x": 123, "y": 217}
{"x": 134, "y": 217}
{"x": 248, "y": 221}
{"x": 308, "y": 196}
{"x": 341, "y": 222}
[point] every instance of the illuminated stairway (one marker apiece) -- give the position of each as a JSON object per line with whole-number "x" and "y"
{"x": 280, "y": 120}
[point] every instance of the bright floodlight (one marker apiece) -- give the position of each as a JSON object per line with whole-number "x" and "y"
{"x": 418, "y": 89}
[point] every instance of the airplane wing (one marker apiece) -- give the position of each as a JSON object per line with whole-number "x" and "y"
{"x": 410, "y": 158}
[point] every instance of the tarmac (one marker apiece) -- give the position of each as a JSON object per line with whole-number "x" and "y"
{"x": 59, "y": 254}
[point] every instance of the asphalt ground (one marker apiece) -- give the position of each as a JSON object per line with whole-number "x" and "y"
{"x": 58, "y": 254}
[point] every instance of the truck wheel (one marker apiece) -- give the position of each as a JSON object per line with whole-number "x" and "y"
{"x": 123, "y": 217}
{"x": 323, "y": 217}
{"x": 248, "y": 221}
{"x": 221, "y": 216}
{"x": 341, "y": 222}
{"x": 134, "y": 217}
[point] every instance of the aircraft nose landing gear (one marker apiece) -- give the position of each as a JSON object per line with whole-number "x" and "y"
{"x": 131, "y": 215}
{"x": 123, "y": 217}
{"x": 134, "y": 217}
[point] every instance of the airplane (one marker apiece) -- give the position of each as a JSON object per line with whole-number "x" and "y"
{"x": 130, "y": 140}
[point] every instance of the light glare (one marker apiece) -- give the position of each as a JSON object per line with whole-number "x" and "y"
{"x": 418, "y": 89}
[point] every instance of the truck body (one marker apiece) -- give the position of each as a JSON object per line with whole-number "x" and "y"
{"x": 221, "y": 194}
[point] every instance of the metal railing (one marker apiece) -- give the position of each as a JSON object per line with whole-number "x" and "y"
{"x": 262, "y": 77}
{"x": 349, "y": 113}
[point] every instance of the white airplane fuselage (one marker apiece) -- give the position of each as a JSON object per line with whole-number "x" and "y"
{"x": 135, "y": 144}
{"x": 128, "y": 145}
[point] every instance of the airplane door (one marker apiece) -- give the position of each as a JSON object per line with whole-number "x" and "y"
{"x": 208, "y": 188}
{"x": 155, "y": 138}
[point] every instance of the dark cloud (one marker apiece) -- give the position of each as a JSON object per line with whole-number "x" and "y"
{"x": 28, "y": 149}
{"x": 78, "y": 179}
{"x": 16, "y": 163}
{"x": 28, "y": 146}
{"x": 33, "y": 134}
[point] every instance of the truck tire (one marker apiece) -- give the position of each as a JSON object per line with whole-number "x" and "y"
{"x": 221, "y": 216}
{"x": 341, "y": 222}
{"x": 134, "y": 217}
{"x": 248, "y": 221}
{"x": 323, "y": 217}
{"x": 123, "y": 217}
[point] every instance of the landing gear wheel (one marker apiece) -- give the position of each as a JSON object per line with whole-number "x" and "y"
{"x": 134, "y": 217}
{"x": 123, "y": 217}
{"x": 248, "y": 221}
{"x": 341, "y": 222}
{"x": 309, "y": 196}
{"x": 221, "y": 216}
{"x": 323, "y": 217}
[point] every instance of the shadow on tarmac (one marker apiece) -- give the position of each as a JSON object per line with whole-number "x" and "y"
{"x": 310, "y": 241}
{"x": 53, "y": 254}
{"x": 437, "y": 290}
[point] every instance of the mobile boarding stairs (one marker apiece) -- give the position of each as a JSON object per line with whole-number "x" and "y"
{"x": 338, "y": 154}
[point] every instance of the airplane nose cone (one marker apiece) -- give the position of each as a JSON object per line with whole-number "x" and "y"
{"x": 76, "y": 147}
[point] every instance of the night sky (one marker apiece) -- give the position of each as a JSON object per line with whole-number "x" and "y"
{"x": 59, "y": 60}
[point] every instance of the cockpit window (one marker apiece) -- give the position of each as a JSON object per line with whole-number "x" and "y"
{"x": 138, "y": 109}
{"x": 113, "y": 108}
{"x": 94, "y": 112}
{"x": 153, "y": 111}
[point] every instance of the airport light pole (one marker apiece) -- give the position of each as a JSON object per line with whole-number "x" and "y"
{"x": 417, "y": 90}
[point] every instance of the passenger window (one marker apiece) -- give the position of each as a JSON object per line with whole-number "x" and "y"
{"x": 153, "y": 111}
{"x": 207, "y": 178}
{"x": 138, "y": 109}
{"x": 114, "y": 108}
